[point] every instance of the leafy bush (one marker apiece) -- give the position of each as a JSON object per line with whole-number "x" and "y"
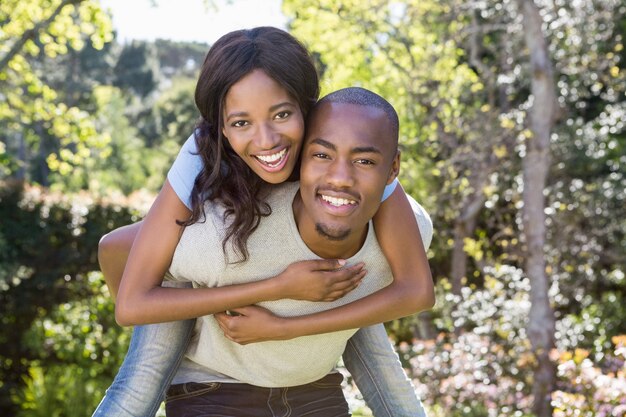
{"x": 469, "y": 375}
{"x": 587, "y": 389}
{"x": 55, "y": 315}
{"x": 60, "y": 390}
{"x": 80, "y": 347}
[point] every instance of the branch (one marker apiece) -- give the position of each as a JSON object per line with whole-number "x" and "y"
{"x": 31, "y": 33}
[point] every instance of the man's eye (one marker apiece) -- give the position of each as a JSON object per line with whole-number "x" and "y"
{"x": 283, "y": 115}
{"x": 320, "y": 155}
{"x": 364, "y": 162}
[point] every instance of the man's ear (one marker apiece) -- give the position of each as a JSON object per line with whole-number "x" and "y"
{"x": 395, "y": 168}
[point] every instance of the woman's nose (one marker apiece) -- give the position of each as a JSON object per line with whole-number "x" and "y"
{"x": 267, "y": 137}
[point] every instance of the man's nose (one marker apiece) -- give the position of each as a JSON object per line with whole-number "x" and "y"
{"x": 340, "y": 174}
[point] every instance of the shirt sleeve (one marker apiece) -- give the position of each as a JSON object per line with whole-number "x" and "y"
{"x": 389, "y": 189}
{"x": 424, "y": 222}
{"x": 184, "y": 171}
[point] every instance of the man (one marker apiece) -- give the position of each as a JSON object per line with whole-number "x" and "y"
{"x": 350, "y": 154}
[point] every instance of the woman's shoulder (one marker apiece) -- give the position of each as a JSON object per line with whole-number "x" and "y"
{"x": 279, "y": 195}
{"x": 185, "y": 169}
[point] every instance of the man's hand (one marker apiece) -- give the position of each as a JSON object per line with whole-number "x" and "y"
{"x": 251, "y": 324}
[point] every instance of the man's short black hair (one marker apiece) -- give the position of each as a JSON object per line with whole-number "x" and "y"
{"x": 363, "y": 97}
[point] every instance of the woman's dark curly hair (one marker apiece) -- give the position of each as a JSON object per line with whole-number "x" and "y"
{"x": 225, "y": 177}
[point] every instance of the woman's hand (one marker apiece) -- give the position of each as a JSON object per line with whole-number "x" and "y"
{"x": 251, "y": 324}
{"x": 319, "y": 280}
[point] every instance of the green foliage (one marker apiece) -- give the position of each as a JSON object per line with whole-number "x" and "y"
{"x": 137, "y": 68}
{"x": 81, "y": 332}
{"x": 30, "y": 108}
{"x": 79, "y": 347}
{"x": 64, "y": 122}
{"x": 60, "y": 390}
{"x": 180, "y": 58}
{"x": 177, "y": 111}
{"x": 53, "y": 309}
{"x": 600, "y": 320}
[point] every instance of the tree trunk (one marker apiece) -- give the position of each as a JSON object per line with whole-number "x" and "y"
{"x": 463, "y": 228}
{"x": 458, "y": 259}
{"x": 535, "y": 165}
{"x": 424, "y": 328}
{"x": 43, "y": 170}
{"x": 465, "y": 225}
{"x": 20, "y": 174}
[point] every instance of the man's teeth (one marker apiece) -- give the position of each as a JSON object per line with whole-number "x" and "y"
{"x": 272, "y": 159}
{"x": 337, "y": 201}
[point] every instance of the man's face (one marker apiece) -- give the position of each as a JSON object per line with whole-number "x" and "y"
{"x": 348, "y": 158}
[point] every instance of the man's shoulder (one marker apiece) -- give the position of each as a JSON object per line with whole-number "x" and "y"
{"x": 282, "y": 194}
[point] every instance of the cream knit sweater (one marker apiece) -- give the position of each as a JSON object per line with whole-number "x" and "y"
{"x": 272, "y": 247}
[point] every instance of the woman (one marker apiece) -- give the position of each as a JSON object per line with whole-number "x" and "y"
{"x": 235, "y": 177}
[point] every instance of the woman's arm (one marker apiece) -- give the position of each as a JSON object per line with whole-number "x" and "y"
{"x": 411, "y": 291}
{"x": 141, "y": 299}
{"x": 113, "y": 250}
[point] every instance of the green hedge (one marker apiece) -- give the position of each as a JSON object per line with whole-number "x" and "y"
{"x": 59, "y": 343}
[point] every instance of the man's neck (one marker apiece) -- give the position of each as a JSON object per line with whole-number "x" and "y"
{"x": 321, "y": 245}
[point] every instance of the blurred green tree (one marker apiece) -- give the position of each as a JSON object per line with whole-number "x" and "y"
{"x": 30, "y": 107}
{"x": 137, "y": 68}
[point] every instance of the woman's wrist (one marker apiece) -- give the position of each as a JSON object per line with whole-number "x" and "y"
{"x": 283, "y": 328}
{"x": 277, "y": 288}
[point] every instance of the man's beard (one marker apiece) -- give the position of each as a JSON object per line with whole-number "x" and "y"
{"x": 332, "y": 233}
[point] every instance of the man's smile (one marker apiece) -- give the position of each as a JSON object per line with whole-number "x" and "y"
{"x": 338, "y": 203}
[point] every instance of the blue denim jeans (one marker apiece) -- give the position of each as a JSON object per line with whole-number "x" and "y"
{"x": 153, "y": 357}
{"x": 213, "y": 399}
{"x": 377, "y": 372}
{"x": 156, "y": 350}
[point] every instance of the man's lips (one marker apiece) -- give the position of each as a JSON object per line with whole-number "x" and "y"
{"x": 338, "y": 203}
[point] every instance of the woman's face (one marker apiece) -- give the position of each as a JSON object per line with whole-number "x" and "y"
{"x": 264, "y": 126}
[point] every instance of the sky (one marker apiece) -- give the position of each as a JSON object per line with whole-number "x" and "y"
{"x": 190, "y": 20}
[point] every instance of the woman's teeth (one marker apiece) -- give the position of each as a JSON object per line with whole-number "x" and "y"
{"x": 272, "y": 160}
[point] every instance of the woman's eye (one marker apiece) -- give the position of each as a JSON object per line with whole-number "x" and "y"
{"x": 239, "y": 123}
{"x": 282, "y": 115}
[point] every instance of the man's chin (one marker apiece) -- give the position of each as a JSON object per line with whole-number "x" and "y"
{"x": 332, "y": 233}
